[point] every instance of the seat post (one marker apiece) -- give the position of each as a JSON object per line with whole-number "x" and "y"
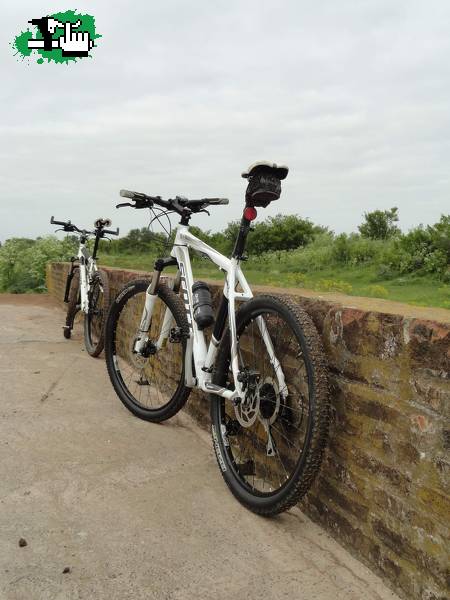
{"x": 241, "y": 239}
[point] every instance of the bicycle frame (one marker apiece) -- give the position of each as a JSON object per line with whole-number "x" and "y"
{"x": 87, "y": 267}
{"x": 204, "y": 356}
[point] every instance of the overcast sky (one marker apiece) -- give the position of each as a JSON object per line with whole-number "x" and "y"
{"x": 180, "y": 97}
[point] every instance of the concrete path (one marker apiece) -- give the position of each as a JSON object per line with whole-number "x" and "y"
{"x": 133, "y": 510}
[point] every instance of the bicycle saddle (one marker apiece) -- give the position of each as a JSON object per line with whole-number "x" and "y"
{"x": 266, "y": 167}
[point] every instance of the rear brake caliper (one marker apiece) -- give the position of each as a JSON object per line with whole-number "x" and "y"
{"x": 247, "y": 411}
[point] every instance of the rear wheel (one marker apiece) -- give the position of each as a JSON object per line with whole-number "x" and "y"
{"x": 94, "y": 320}
{"x": 269, "y": 446}
{"x": 151, "y": 384}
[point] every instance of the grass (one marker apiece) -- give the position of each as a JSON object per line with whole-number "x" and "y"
{"x": 355, "y": 281}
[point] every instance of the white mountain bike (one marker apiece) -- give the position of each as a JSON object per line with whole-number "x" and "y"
{"x": 87, "y": 287}
{"x": 263, "y": 367}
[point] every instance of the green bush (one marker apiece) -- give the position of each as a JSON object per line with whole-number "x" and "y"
{"x": 330, "y": 285}
{"x": 380, "y": 224}
{"x": 355, "y": 249}
{"x": 23, "y": 261}
{"x": 316, "y": 256}
{"x": 422, "y": 250}
{"x": 281, "y": 245}
{"x": 282, "y": 232}
{"x": 377, "y": 291}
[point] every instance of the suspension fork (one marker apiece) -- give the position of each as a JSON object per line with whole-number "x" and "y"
{"x": 168, "y": 320}
{"x": 146, "y": 319}
{"x": 150, "y": 299}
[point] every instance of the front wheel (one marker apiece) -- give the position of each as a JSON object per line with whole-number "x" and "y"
{"x": 73, "y": 305}
{"x": 150, "y": 384}
{"x": 94, "y": 320}
{"x": 270, "y": 444}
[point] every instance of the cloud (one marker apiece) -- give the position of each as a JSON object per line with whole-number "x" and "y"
{"x": 179, "y": 98}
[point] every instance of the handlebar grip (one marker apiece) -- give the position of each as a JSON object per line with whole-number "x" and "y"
{"x": 127, "y": 194}
{"x": 53, "y": 222}
{"x": 217, "y": 201}
{"x": 109, "y": 232}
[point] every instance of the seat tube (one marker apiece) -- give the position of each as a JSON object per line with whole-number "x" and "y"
{"x": 83, "y": 281}
{"x": 232, "y": 324}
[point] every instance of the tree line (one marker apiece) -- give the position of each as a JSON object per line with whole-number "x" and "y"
{"x": 291, "y": 239}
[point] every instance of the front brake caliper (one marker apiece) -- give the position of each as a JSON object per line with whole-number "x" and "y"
{"x": 147, "y": 349}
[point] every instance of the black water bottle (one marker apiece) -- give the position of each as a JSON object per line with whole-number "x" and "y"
{"x": 203, "y": 311}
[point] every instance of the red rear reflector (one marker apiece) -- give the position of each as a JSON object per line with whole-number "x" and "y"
{"x": 250, "y": 213}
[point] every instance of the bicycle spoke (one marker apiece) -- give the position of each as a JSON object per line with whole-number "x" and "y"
{"x": 274, "y": 444}
{"x": 139, "y": 372}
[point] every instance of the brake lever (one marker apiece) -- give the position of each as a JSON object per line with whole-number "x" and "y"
{"x": 122, "y": 204}
{"x": 205, "y": 211}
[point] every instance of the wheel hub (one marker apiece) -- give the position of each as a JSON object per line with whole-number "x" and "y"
{"x": 139, "y": 359}
{"x": 269, "y": 400}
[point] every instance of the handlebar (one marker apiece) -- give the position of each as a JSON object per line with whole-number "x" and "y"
{"x": 129, "y": 194}
{"x": 53, "y": 222}
{"x": 110, "y": 232}
{"x": 99, "y": 231}
{"x": 216, "y": 201}
{"x": 66, "y": 225}
{"x": 179, "y": 204}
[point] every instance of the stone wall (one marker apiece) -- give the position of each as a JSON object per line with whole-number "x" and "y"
{"x": 383, "y": 490}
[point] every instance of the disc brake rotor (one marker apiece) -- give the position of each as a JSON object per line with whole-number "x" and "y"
{"x": 247, "y": 411}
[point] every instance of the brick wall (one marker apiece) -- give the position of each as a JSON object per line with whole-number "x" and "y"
{"x": 383, "y": 490}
